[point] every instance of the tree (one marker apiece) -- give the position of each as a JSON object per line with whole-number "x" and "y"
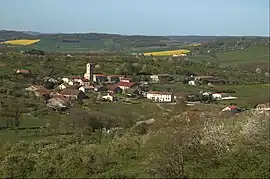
{"x": 49, "y": 85}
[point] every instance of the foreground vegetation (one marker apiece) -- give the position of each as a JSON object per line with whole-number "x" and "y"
{"x": 179, "y": 146}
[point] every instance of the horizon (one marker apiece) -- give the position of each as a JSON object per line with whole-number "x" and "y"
{"x": 230, "y": 18}
{"x": 44, "y": 33}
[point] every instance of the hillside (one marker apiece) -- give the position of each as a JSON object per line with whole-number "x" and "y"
{"x": 106, "y": 42}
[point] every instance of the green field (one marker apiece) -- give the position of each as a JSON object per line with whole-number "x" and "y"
{"x": 248, "y": 95}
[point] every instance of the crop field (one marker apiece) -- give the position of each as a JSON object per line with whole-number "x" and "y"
{"x": 21, "y": 42}
{"x": 167, "y": 53}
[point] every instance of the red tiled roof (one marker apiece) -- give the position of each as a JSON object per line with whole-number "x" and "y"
{"x": 112, "y": 87}
{"x": 125, "y": 84}
{"x": 159, "y": 92}
{"x": 233, "y": 107}
{"x": 85, "y": 80}
{"x": 99, "y": 74}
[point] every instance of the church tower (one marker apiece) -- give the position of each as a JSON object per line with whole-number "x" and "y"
{"x": 89, "y": 72}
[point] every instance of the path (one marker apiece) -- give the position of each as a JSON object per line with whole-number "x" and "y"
{"x": 159, "y": 105}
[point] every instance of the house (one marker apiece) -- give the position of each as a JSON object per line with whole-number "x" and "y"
{"x": 87, "y": 88}
{"x": 222, "y": 96}
{"x": 72, "y": 94}
{"x": 42, "y": 92}
{"x": 206, "y": 93}
{"x": 99, "y": 77}
{"x": 63, "y": 86}
{"x": 159, "y": 96}
{"x": 114, "y": 89}
{"x": 154, "y": 78}
{"x": 108, "y": 97}
{"x": 71, "y": 83}
{"x": 114, "y": 78}
{"x": 22, "y": 71}
{"x": 232, "y": 109}
{"x": 99, "y": 88}
{"x": 86, "y": 82}
{"x": 125, "y": 85}
{"x": 217, "y": 96}
{"x": 58, "y": 102}
{"x": 164, "y": 77}
{"x": 192, "y": 83}
{"x": 71, "y": 79}
{"x": 126, "y": 80}
{"x": 65, "y": 79}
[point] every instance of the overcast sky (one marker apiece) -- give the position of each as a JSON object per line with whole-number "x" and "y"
{"x": 146, "y": 17}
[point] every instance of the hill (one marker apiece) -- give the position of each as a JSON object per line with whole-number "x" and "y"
{"x": 87, "y": 42}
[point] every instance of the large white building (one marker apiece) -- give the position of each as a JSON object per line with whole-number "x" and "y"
{"x": 159, "y": 96}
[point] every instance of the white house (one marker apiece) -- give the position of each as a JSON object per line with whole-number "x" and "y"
{"x": 65, "y": 80}
{"x": 217, "y": 96}
{"x": 71, "y": 83}
{"x": 108, "y": 97}
{"x": 154, "y": 78}
{"x": 192, "y": 83}
{"x": 159, "y": 96}
{"x": 63, "y": 86}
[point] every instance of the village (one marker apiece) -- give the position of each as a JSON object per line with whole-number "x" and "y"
{"x": 59, "y": 94}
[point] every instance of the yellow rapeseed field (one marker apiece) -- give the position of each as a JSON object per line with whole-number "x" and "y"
{"x": 21, "y": 42}
{"x": 167, "y": 53}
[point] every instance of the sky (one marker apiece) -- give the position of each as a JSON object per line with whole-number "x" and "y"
{"x": 138, "y": 17}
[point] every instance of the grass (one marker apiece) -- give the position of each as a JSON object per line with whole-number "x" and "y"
{"x": 168, "y": 53}
{"x": 178, "y": 87}
{"x": 255, "y": 53}
{"x": 247, "y": 94}
{"x": 21, "y": 42}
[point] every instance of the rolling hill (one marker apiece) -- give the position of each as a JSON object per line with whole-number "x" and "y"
{"x": 96, "y": 42}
